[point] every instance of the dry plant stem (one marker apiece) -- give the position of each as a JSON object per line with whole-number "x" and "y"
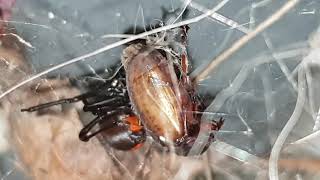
{"x": 309, "y": 80}
{"x": 20, "y": 39}
{"x": 311, "y": 96}
{"x": 268, "y": 95}
{"x": 245, "y": 39}
{"x": 183, "y": 8}
{"x": 253, "y": 10}
{"x": 275, "y": 152}
{"x": 236, "y": 84}
{"x": 287, "y": 73}
{"x": 116, "y": 44}
{"x": 117, "y": 36}
{"x": 26, "y": 23}
{"x": 121, "y": 165}
{"x": 308, "y": 138}
{"x": 206, "y": 160}
{"x": 281, "y": 64}
{"x": 220, "y": 18}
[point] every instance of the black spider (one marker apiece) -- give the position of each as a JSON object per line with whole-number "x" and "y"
{"x": 110, "y": 103}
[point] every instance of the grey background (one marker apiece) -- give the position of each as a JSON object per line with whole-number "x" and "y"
{"x": 76, "y": 28}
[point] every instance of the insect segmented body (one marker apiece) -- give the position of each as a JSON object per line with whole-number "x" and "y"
{"x": 162, "y": 101}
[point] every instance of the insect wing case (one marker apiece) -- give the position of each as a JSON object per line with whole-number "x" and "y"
{"x": 154, "y": 92}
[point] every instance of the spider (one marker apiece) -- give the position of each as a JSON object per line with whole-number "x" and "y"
{"x": 150, "y": 95}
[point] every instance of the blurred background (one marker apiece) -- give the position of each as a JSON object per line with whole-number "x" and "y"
{"x": 267, "y": 92}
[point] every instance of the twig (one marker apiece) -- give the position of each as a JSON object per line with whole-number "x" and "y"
{"x": 276, "y": 149}
{"x": 245, "y": 39}
{"x": 220, "y": 18}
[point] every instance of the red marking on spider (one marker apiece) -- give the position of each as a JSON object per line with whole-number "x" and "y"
{"x": 137, "y": 146}
{"x": 134, "y": 123}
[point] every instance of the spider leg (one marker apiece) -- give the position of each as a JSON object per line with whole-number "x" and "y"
{"x": 85, "y": 133}
{"x": 107, "y": 92}
{"x": 112, "y": 102}
{"x": 105, "y": 121}
{"x": 53, "y": 103}
{"x": 87, "y": 98}
{"x": 110, "y": 109}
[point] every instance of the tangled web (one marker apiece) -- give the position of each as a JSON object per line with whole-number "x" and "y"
{"x": 259, "y": 59}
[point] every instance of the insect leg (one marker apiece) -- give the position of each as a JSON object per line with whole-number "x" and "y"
{"x": 184, "y": 55}
{"x": 217, "y": 125}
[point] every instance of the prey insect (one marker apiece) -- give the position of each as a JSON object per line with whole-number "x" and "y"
{"x": 152, "y": 95}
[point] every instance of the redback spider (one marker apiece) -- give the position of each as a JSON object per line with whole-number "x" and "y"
{"x": 151, "y": 95}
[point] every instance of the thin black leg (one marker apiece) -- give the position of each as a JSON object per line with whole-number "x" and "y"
{"x": 53, "y": 103}
{"x": 113, "y": 102}
{"x": 107, "y": 110}
{"x": 104, "y": 122}
{"x": 85, "y": 133}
